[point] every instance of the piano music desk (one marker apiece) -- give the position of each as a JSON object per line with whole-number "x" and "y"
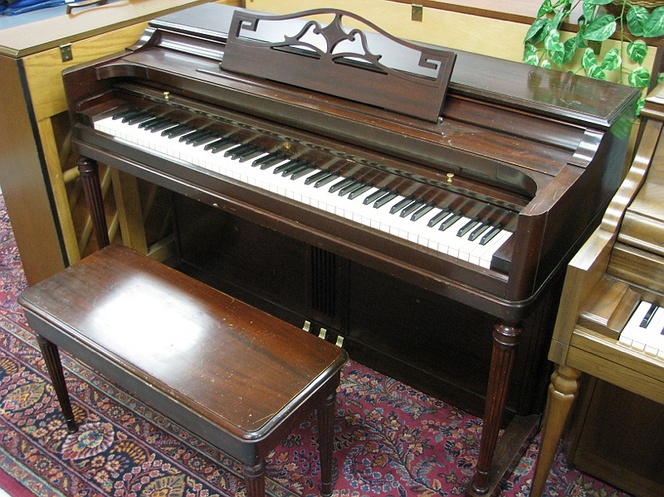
{"x": 235, "y": 376}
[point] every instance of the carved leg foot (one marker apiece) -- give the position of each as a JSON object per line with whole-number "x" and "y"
{"x": 254, "y": 479}
{"x": 54, "y": 367}
{"x": 562, "y": 393}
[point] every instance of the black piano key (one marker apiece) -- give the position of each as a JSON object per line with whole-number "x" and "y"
{"x": 124, "y": 113}
{"x": 315, "y": 177}
{"x": 354, "y": 185}
{"x": 385, "y": 199}
{"x": 648, "y": 317}
{"x": 450, "y": 220}
{"x": 303, "y": 170}
{"x": 273, "y": 157}
{"x": 134, "y": 114}
{"x": 489, "y": 236}
{"x": 252, "y": 154}
{"x": 359, "y": 191}
{"x": 478, "y": 231}
{"x": 325, "y": 180}
{"x": 138, "y": 118}
{"x": 178, "y": 130}
{"x": 149, "y": 122}
{"x": 401, "y": 204}
{"x": 273, "y": 162}
{"x": 218, "y": 145}
{"x": 237, "y": 149}
{"x": 279, "y": 169}
{"x": 468, "y": 226}
{"x": 438, "y": 217}
{"x": 190, "y": 138}
{"x": 205, "y": 138}
{"x": 421, "y": 212}
{"x": 375, "y": 196}
{"x": 294, "y": 166}
{"x": 341, "y": 184}
{"x": 411, "y": 208}
{"x": 162, "y": 126}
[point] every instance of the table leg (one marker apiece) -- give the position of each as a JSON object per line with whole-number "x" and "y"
{"x": 254, "y": 479}
{"x": 326, "y": 441}
{"x": 562, "y": 393}
{"x": 52, "y": 358}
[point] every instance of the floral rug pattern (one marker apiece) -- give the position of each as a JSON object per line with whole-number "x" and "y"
{"x": 390, "y": 440}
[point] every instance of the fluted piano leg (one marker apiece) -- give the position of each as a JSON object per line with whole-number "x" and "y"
{"x": 562, "y": 393}
{"x": 89, "y": 170}
{"x": 505, "y": 340}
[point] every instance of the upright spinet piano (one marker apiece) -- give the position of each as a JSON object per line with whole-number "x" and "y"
{"x": 333, "y": 179}
{"x": 609, "y": 323}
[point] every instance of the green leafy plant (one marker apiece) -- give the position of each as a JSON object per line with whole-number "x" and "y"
{"x": 599, "y": 20}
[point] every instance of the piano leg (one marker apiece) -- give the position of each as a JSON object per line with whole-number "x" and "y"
{"x": 89, "y": 170}
{"x": 562, "y": 392}
{"x": 506, "y": 337}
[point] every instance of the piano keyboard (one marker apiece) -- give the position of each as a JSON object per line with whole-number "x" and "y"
{"x": 443, "y": 228}
{"x": 645, "y": 330}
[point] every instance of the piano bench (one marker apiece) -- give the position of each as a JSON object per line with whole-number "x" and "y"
{"x": 232, "y": 374}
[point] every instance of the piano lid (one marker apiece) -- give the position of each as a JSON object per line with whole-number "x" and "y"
{"x": 555, "y": 94}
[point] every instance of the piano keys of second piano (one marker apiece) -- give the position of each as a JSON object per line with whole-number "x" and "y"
{"x": 645, "y": 329}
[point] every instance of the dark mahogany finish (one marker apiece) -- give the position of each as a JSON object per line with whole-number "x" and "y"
{"x": 544, "y": 148}
{"x": 236, "y": 376}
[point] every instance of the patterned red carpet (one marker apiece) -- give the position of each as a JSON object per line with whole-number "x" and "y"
{"x": 391, "y": 440}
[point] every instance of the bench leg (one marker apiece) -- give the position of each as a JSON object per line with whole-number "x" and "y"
{"x": 254, "y": 479}
{"x": 54, "y": 367}
{"x": 326, "y": 442}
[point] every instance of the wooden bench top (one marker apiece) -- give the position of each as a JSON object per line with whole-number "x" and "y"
{"x": 166, "y": 333}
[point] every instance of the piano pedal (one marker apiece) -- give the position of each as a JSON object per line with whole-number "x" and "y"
{"x": 324, "y": 334}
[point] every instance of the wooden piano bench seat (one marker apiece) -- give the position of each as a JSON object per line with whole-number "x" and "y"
{"x": 235, "y": 376}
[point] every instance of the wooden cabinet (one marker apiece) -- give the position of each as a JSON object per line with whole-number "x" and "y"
{"x": 38, "y": 176}
{"x": 616, "y": 436}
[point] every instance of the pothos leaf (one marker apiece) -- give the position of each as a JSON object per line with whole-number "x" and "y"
{"x": 654, "y": 26}
{"x": 601, "y": 28}
{"x": 639, "y": 77}
{"x": 611, "y": 60}
{"x": 637, "y": 51}
{"x": 637, "y": 17}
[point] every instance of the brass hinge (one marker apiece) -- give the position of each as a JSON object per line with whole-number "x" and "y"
{"x": 416, "y": 13}
{"x": 65, "y": 52}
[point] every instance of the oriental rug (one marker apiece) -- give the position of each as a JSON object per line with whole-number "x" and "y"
{"x": 391, "y": 440}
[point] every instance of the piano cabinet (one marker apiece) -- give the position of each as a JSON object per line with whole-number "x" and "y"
{"x": 629, "y": 459}
{"x": 38, "y": 176}
{"x": 621, "y": 264}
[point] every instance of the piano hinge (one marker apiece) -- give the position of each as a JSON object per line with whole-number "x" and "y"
{"x": 66, "y": 53}
{"x": 416, "y": 13}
